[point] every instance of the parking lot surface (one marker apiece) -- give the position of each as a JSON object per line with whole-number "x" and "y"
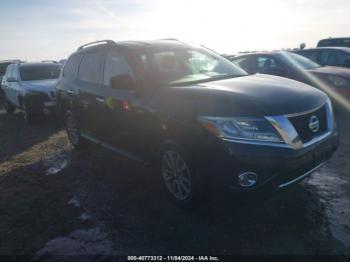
{"x": 56, "y": 200}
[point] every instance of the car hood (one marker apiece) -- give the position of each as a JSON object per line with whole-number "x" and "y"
{"x": 41, "y": 85}
{"x": 255, "y": 95}
{"x": 332, "y": 70}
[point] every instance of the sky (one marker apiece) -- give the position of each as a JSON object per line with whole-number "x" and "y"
{"x": 36, "y": 30}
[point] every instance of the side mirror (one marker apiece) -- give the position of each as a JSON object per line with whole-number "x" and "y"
{"x": 12, "y": 79}
{"x": 122, "y": 82}
{"x": 347, "y": 62}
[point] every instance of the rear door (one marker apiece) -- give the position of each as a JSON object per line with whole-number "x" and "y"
{"x": 68, "y": 85}
{"x": 92, "y": 96}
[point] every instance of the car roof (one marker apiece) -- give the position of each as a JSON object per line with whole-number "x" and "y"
{"x": 277, "y": 52}
{"x": 335, "y": 38}
{"x": 37, "y": 64}
{"x": 341, "y": 48}
{"x": 10, "y": 61}
{"x": 145, "y": 44}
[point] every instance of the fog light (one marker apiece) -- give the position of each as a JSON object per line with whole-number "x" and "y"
{"x": 247, "y": 179}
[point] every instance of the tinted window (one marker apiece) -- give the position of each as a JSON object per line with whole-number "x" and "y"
{"x": 115, "y": 65}
{"x": 312, "y": 55}
{"x": 266, "y": 64}
{"x": 39, "y": 72}
{"x": 333, "y": 58}
{"x": 9, "y": 71}
{"x": 334, "y": 42}
{"x": 248, "y": 63}
{"x": 89, "y": 70}
{"x": 71, "y": 66}
{"x": 3, "y": 67}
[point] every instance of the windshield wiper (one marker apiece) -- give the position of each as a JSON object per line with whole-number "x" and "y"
{"x": 217, "y": 78}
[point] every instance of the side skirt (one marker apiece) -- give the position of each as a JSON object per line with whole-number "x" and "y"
{"x": 116, "y": 150}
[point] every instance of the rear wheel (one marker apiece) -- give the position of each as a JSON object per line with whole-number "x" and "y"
{"x": 73, "y": 131}
{"x": 180, "y": 178}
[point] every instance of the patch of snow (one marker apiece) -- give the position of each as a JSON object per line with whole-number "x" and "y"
{"x": 85, "y": 216}
{"x": 74, "y": 201}
{"x": 56, "y": 163}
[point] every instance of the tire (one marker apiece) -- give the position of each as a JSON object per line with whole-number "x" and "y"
{"x": 179, "y": 176}
{"x": 73, "y": 131}
{"x": 28, "y": 114}
{"x": 9, "y": 107}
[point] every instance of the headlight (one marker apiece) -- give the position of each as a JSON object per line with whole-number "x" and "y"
{"x": 256, "y": 129}
{"x": 338, "y": 81}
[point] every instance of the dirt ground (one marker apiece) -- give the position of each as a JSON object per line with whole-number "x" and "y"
{"x": 56, "y": 201}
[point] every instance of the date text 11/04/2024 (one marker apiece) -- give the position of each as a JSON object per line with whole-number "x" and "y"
{"x": 173, "y": 258}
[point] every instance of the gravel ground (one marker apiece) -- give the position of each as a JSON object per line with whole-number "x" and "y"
{"x": 58, "y": 201}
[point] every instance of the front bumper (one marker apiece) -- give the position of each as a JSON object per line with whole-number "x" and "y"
{"x": 276, "y": 167}
{"x": 41, "y": 104}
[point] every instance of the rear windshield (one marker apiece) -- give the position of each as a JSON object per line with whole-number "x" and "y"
{"x": 334, "y": 42}
{"x": 3, "y": 67}
{"x": 39, "y": 72}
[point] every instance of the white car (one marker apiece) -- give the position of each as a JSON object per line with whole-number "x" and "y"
{"x": 31, "y": 88}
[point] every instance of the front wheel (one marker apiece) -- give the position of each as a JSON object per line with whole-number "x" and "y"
{"x": 73, "y": 131}
{"x": 179, "y": 176}
{"x": 28, "y": 114}
{"x": 9, "y": 107}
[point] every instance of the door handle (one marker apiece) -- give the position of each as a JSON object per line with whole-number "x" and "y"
{"x": 101, "y": 100}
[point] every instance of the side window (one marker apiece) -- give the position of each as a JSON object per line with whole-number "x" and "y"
{"x": 9, "y": 71}
{"x": 115, "y": 65}
{"x": 324, "y": 57}
{"x": 312, "y": 55}
{"x": 89, "y": 70}
{"x": 267, "y": 64}
{"x": 340, "y": 58}
{"x": 247, "y": 63}
{"x": 71, "y": 66}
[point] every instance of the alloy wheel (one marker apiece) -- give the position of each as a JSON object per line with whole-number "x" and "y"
{"x": 176, "y": 175}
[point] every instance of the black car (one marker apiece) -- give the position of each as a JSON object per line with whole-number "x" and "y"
{"x": 203, "y": 122}
{"x": 335, "y": 81}
{"x": 328, "y": 56}
{"x": 337, "y": 41}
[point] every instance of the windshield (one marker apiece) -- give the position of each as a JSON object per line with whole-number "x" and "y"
{"x": 181, "y": 66}
{"x": 39, "y": 72}
{"x": 3, "y": 67}
{"x": 299, "y": 61}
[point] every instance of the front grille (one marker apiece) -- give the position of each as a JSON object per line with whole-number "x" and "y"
{"x": 301, "y": 124}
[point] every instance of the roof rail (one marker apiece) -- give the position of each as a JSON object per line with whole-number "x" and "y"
{"x": 96, "y": 43}
{"x": 170, "y": 39}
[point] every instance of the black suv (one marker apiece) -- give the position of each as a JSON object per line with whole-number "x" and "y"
{"x": 199, "y": 119}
